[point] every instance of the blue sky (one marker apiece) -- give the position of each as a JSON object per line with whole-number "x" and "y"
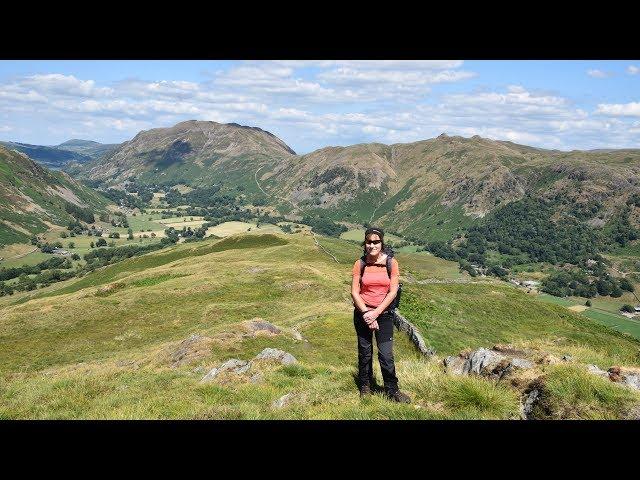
{"x": 312, "y": 104}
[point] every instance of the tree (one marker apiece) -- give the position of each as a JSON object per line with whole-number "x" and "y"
{"x": 72, "y": 245}
{"x": 626, "y": 285}
{"x": 92, "y": 245}
{"x": 627, "y": 308}
{"x": 588, "y": 303}
{"x": 101, "y": 242}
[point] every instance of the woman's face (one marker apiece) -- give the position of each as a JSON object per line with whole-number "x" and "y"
{"x": 373, "y": 244}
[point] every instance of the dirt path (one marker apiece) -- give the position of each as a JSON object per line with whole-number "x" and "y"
{"x": 23, "y": 254}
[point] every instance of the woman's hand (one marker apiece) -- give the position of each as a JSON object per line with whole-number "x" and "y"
{"x": 370, "y": 316}
{"x": 374, "y": 325}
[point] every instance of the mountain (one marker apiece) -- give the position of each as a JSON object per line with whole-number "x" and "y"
{"x": 196, "y": 153}
{"x": 33, "y": 197}
{"x": 437, "y": 187}
{"x": 70, "y": 153}
{"x": 431, "y": 189}
{"x": 136, "y": 339}
{"x": 87, "y": 147}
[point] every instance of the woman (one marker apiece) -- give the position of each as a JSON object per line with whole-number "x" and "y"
{"x": 372, "y": 294}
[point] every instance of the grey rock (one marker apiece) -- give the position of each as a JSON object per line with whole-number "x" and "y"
{"x": 257, "y": 378}
{"x": 596, "y": 371}
{"x": 521, "y": 363}
{"x": 275, "y": 354}
{"x": 483, "y": 361}
{"x": 567, "y": 358}
{"x": 455, "y": 365}
{"x": 235, "y": 365}
{"x": 282, "y": 401}
{"x": 632, "y": 380}
{"x": 404, "y": 325}
{"x": 529, "y": 402}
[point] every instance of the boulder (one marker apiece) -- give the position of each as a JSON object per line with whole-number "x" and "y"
{"x": 455, "y": 365}
{"x": 191, "y": 350}
{"x": 277, "y": 355}
{"x": 234, "y": 365}
{"x": 521, "y": 363}
{"x": 626, "y": 376}
{"x": 485, "y": 362}
{"x": 530, "y": 400}
{"x": 488, "y": 363}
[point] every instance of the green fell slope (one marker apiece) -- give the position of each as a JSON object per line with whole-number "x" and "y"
{"x": 32, "y": 196}
{"x": 105, "y": 346}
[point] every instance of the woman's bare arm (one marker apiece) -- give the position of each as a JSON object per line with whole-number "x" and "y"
{"x": 355, "y": 294}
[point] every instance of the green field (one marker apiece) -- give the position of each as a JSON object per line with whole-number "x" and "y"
{"x": 231, "y": 228}
{"x": 603, "y": 311}
{"x": 103, "y": 346}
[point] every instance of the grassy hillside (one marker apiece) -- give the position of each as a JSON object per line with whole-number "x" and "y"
{"x": 103, "y": 346}
{"x": 33, "y": 197}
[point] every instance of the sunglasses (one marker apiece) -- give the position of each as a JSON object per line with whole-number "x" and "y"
{"x": 374, "y": 242}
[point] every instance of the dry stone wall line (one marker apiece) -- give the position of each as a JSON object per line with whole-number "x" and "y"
{"x": 407, "y": 327}
{"x": 324, "y": 249}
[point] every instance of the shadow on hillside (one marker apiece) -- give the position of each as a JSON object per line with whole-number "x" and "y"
{"x": 375, "y": 387}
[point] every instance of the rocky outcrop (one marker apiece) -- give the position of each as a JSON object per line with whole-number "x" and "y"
{"x": 239, "y": 367}
{"x": 404, "y": 325}
{"x": 234, "y": 365}
{"x": 629, "y": 377}
{"x": 486, "y": 363}
{"x": 191, "y": 350}
{"x": 277, "y": 355}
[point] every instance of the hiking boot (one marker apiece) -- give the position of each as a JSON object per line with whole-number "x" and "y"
{"x": 365, "y": 390}
{"x": 398, "y": 396}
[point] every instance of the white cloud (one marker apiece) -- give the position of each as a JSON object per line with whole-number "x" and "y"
{"x": 311, "y": 104}
{"x": 633, "y": 70}
{"x": 631, "y": 109}
{"x": 68, "y": 85}
{"x": 353, "y": 76}
{"x": 598, "y": 73}
{"x": 5, "y": 128}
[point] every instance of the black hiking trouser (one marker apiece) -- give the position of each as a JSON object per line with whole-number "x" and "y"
{"x": 384, "y": 341}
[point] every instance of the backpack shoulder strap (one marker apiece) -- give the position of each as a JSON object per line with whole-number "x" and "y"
{"x": 363, "y": 264}
{"x": 389, "y": 257}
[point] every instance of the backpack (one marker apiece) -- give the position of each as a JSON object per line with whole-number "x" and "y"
{"x": 396, "y": 301}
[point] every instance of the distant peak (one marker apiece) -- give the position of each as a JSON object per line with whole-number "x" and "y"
{"x": 77, "y": 141}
